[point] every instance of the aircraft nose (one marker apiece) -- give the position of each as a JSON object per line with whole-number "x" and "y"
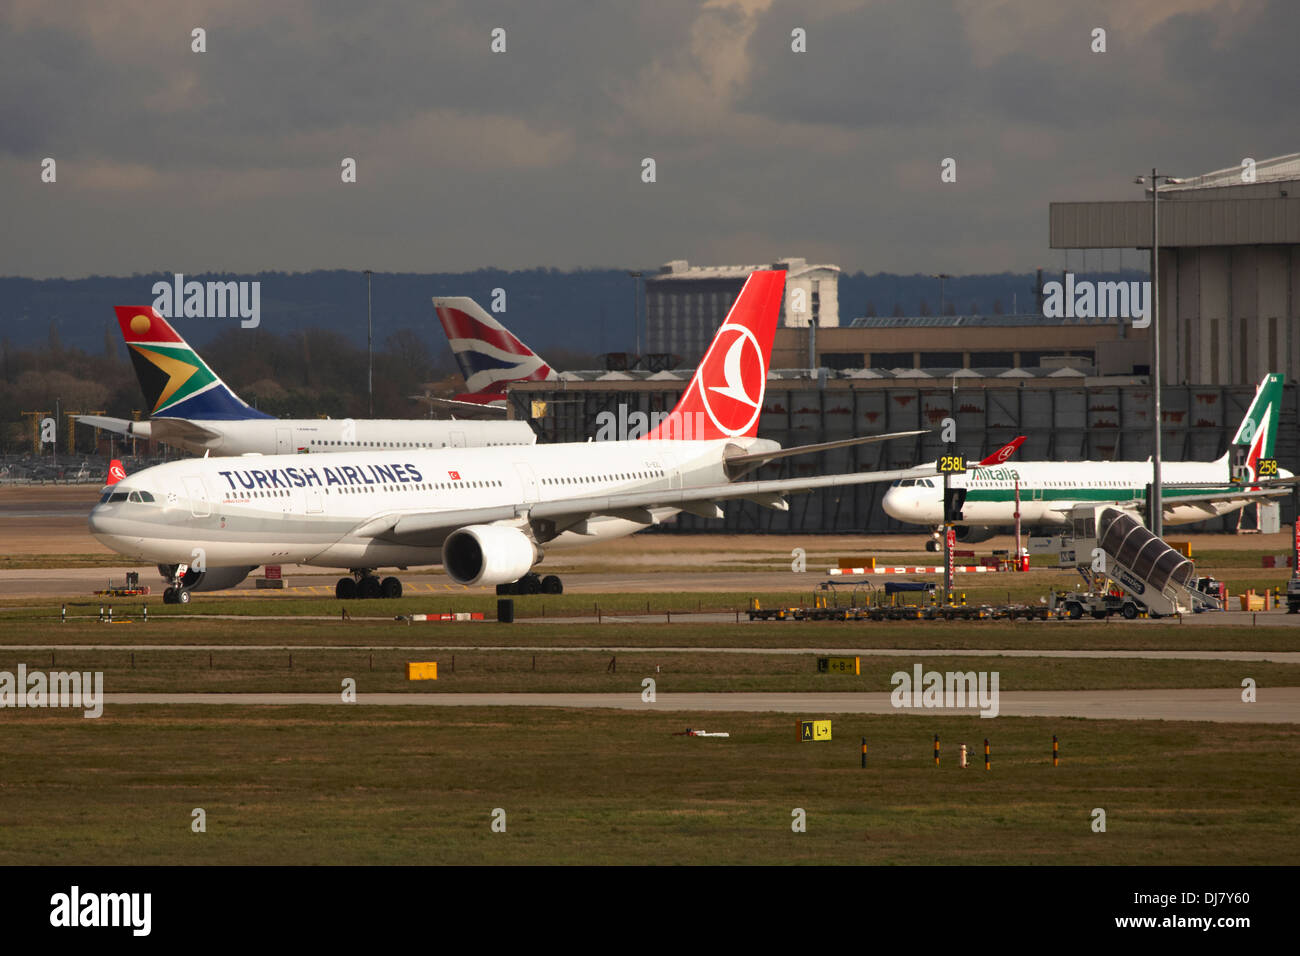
{"x": 890, "y": 503}
{"x": 97, "y": 520}
{"x": 105, "y": 525}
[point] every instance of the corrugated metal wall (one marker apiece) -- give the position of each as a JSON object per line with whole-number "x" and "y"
{"x": 1060, "y": 424}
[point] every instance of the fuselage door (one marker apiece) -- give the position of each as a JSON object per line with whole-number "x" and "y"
{"x": 672, "y": 469}
{"x": 283, "y": 441}
{"x": 198, "y": 496}
{"x": 527, "y": 481}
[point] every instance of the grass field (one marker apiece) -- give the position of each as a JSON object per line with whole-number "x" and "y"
{"x": 40, "y": 626}
{"x": 484, "y": 671}
{"x": 418, "y": 785}
{"x": 385, "y": 785}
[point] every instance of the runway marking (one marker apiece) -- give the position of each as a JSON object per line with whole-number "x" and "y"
{"x": 1275, "y": 705}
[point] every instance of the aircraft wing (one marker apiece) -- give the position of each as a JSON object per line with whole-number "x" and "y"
{"x": 763, "y": 456}
{"x": 638, "y": 506}
{"x": 1272, "y": 488}
{"x": 175, "y": 431}
{"x": 119, "y": 426}
{"x": 480, "y": 408}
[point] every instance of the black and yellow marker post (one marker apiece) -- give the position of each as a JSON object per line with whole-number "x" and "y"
{"x": 986, "y": 753}
{"x": 936, "y": 750}
{"x": 864, "y": 753}
{"x": 1056, "y": 751}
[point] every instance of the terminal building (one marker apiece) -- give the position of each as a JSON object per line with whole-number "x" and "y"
{"x": 1229, "y": 267}
{"x": 685, "y": 304}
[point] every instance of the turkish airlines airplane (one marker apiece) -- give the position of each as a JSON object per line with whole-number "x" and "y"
{"x": 1191, "y": 491}
{"x": 190, "y": 407}
{"x": 487, "y": 515}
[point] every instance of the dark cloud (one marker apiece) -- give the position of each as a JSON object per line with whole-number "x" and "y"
{"x": 229, "y": 159}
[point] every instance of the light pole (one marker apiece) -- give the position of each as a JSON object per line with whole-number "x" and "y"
{"x": 940, "y": 276}
{"x": 636, "y": 311}
{"x": 1157, "y": 506}
{"x": 370, "y": 350}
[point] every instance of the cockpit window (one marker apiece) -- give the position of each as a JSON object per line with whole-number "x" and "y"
{"x": 140, "y": 496}
{"x": 118, "y": 496}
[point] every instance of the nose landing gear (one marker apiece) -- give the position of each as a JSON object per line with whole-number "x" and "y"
{"x": 175, "y": 595}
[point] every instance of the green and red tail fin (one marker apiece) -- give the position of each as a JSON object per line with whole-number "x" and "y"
{"x": 1256, "y": 436}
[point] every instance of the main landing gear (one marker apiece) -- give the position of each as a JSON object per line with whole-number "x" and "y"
{"x": 532, "y": 583}
{"x": 364, "y": 583}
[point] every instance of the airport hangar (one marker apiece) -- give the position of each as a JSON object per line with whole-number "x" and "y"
{"x": 1077, "y": 388}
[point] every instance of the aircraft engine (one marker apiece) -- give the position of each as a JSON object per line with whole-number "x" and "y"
{"x": 971, "y": 533}
{"x": 488, "y": 554}
{"x": 213, "y": 579}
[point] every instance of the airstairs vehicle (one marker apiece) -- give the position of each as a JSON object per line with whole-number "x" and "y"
{"x": 1128, "y": 570}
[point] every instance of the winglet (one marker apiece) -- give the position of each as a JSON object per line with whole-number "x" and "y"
{"x": 1003, "y": 453}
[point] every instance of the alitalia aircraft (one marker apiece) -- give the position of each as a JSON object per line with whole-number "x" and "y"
{"x": 487, "y": 515}
{"x": 1049, "y": 489}
{"x": 192, "y": 408}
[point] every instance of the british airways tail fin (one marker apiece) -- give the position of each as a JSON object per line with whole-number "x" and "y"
{"x": 176, "y": 382}
{"x": 489, "y": 355}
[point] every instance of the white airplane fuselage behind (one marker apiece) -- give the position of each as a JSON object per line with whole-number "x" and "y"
{"x": 283, "y": 436}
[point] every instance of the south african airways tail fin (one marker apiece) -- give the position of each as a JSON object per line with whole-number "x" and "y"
{"x": 177, "y": 383}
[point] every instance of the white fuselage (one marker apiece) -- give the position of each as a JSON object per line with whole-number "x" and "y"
{"x": 314, "y": 509}
{"x": 286, "y": 436}
{"x": 1048, "y": 490}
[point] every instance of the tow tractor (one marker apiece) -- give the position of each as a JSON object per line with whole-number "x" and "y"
{"x": 1100, "y": 601}
{"x": 132, "y": 587}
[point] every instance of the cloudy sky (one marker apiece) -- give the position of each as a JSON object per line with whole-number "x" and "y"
{"x": 229, "y": 160}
